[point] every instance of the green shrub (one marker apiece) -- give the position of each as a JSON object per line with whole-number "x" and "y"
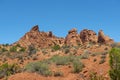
{"x": 13, "y": 49}
{"x": 77, "y": 66}
{"x": 60, "y": 60}
{"x": 22, "y": 49}
{"x": 66, "y": 49}
{"x": 114, "y": 64}
{"x": 18, "y": 45}
{"x": 55, "y": 47}
{"x": 7, "y": 69}
{"x": 32, "y": 50}
{"x": 4, "y": 50}
{"x": 5, "y": 44}
{"x": 39, "y": 67}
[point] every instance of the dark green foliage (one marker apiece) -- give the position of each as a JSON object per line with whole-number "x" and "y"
{"x": 4, "y": 50}
{"x": 55, "y": 47}
{"x": 7, "y": 69}
{"x": 114, "y": 64}
{"x": 22, "y": 49}
{"x": 18, "y": 45}
{"x": 13, "y": 49}
{"x": 6, "y": 44}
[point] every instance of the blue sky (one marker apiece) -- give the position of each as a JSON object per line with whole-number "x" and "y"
{"x": 18, "y": 16}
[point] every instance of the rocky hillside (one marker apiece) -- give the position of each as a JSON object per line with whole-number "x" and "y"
{"x": 48, "y": 39}
{"x": 40, "y": 55}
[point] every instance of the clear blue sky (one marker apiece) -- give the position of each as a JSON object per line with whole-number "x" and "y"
{"x": 18, "y": 16}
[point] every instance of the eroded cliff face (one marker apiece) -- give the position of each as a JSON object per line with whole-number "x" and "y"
{"x": 47, "y": 39}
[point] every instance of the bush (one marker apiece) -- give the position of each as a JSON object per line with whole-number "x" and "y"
{"x": 67, "y": 50}
{"x": 55, "y": 47}
{"x": 77, "y": 66}
{"x": 22, "y": 49}
{"x": 31, "y": 50}
{"x": 39, "y": 67}
{"x": 18, "y": 45}
{"x": 114, "y": 64}
{"x": 13, "y": 49}
{"x": 60, "y": 60}
{"x": 5, "y": 44}
{"x": 4, "y": 50}
{"x": 7, "y": 69}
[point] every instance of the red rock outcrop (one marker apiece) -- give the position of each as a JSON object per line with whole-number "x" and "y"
{"x": 39, "y": 39}
{"x": 47, "y": 39}
{"x": 73, "y": 38}
{"x": 87, "y": 36}
{"x": 103, "y": 38}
